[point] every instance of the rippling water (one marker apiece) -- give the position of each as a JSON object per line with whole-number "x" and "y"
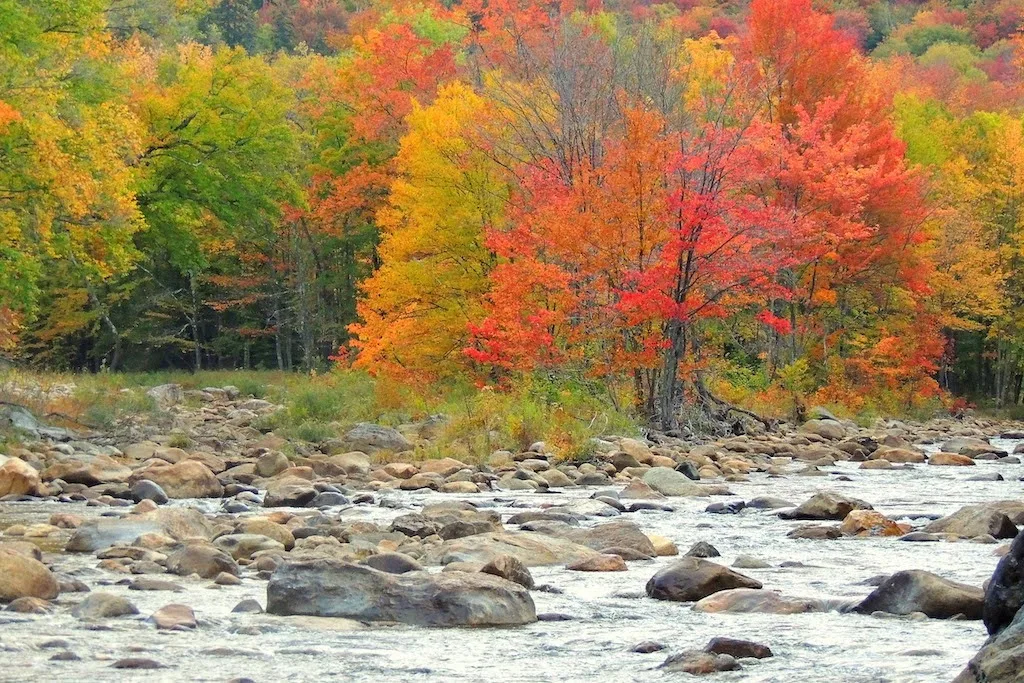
{"x": 610, "y": 613}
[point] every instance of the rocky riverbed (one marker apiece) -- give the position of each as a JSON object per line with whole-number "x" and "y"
{"x": 846, "y": 554}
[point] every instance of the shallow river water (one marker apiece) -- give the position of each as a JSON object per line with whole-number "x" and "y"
{"x": 609, "y": 611}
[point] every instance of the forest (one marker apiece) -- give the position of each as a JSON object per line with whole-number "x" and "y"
{"x": 771, "y": 204}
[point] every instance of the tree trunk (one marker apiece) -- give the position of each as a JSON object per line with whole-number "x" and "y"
{"x": 198, "y": 349}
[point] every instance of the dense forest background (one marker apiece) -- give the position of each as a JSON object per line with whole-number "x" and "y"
{"x": 758, "y": 203}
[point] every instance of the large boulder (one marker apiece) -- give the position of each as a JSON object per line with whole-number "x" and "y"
{"x": 101, "y": 534}
{"x": 896, "y": 454}
{"x": 825, "y": 505}
{"x": 166, "y": 395}
{"x": 1005, "y": 594}
{"x": 22, "y": 576}
{"x": 330, "y": 588}
{"x": 691, "y": 579}
{"x": 532, "y": 549}
{"x": 970, "y": 446}
{"x": 185, "y": 479}
{"x": 205, "y": 560}
{"x": 747, "y": 600}
{"x": 915, "y": 590}
{"x": 669, "y": 482}
{"x": 975, "y": 520}
{"x": 178, "y": 523}
{"x": 827, "y": 429}
{"x": 369, "y": 438}
{"x": 102, "y": 605}
{"x": 1001, "y": 658}
{"x": 100, "y": 469}
{"x": 289, "y": 491}
{"x": 618, "y": 534}
{"x": 18, "y": 478}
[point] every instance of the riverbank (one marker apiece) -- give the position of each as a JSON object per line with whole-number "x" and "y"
{"x": 242, "y": 504}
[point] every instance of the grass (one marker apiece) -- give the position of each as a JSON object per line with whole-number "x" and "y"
{"x": 567, "y": 415}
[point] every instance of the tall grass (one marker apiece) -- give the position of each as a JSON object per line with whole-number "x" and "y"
{"x": 475, "y": 422}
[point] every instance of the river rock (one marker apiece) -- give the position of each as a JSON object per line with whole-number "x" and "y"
{"x": 832, "y": 430}
{"x": 1001, "y": 658}
{"x": 99, "y": 469}
{"x": 898, "y": 455}
{"x": 663, "y": 547}
{"x": 265, "y": 527}
{"x": 974, "y": 520}
{"x": 825, "y": 505}
{"x": 205, "y": 560}
{"x": 244, "y": 546}
{"x": 739, "y": 649}
{"x": 180, "y": 523}
{"x": 698, "y": 662}
{"x": 370, "y": 438}
{"x": 598, "y": 563}
{"x": 393, "y": 563}
{"x": 532, "y": 549}
{"x": 647, "y": 647}
{"x": 104, "y": 606}
{"x": 815, "y": 532}
{"x": 618, "y": 534}
{"x": 22, "y": 576}
{"x": 1004, "y": 596}
{"x": 703, "y": 549}
{"x": 353, "y": 463}
{"x": 103, "y": 533}
{"x": 966, "y": 445}
{"x": 950, "y": 460}
{"x": 915, "y": 590}
{"x": 271, "y": 463}
{"x": 691, "y": 579}
{"x": 668, "y": 482}
{"x": 510, "y": 568}
{"x": 869, "y": 523}
{"x": 18, "y": 478}
{"x": 289, "y": 491}
{"x": 166, "y": 395}
{"x": 148, "y": 583}
{"x": 331, "y": 588}
{"x": 174, "y": 617}
{"x": 746, "y": 600}
{"x": 185, "y": 479}
{"x": 144, "y": 489}
{"x": 28, "y": 605}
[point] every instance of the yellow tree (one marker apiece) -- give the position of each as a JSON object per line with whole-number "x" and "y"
{"x": 435, "y": 263}
{"x": 67, "y": 145}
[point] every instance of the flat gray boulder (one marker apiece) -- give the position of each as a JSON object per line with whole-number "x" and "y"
{"x": 330, "y": 588}
{"x": 975, "y": 520}
{"x": 368, "y": 438}
{"x": 532, "y": 549}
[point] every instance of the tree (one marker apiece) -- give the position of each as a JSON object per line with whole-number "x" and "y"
{"x": 434, "y": 261}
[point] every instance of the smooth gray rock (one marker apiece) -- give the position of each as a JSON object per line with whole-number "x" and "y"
{"x": 338, "y": 589}
{"x": 915, "y": 590}
{"x": 691, "y": 579}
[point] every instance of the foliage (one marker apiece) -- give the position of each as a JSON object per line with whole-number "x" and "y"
{"x": 777, "y": 202}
